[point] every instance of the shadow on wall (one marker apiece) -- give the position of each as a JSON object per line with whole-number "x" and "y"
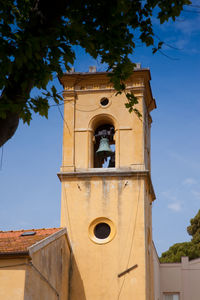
{"x": 76, "y": 288}
{"x": 38, "y": 286}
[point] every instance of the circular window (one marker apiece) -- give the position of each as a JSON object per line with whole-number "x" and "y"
{"x": 104, "y": 101}
{"x": 102, "y": 230}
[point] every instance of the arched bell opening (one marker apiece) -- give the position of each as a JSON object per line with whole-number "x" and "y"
{"x": 104, "y": 146}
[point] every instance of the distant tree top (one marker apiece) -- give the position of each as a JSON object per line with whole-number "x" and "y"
{"x": 190, "y": 249}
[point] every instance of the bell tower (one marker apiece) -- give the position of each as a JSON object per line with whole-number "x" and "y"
{"x": 106, "y": 187}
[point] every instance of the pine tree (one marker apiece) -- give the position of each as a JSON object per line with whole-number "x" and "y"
{"x": 190, "y": 249}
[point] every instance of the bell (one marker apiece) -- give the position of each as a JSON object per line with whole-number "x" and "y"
{"x": 104, "y": 148}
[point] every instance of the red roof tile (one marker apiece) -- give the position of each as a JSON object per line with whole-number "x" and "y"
{"x": 12, "y": 242}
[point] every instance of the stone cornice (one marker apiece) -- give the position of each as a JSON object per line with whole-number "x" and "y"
{"x": 111, "y": 172}
{"x": 80, "y": 83}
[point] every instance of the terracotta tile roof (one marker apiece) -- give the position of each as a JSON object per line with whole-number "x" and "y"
{"x": 12, "y": 242}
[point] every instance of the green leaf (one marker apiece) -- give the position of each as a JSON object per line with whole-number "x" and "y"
{"x": 33, "y": 46}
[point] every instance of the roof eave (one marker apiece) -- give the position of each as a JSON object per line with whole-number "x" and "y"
{"x": 14, "y": 254}
{"x": 44, "y": 242}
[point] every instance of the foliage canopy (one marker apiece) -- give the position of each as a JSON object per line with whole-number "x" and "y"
{"x": 190, "y": 249}
{"x": 37, "y": 39}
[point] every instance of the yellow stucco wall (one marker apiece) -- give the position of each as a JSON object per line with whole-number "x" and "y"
{"x": 123, "y": 194}
{"x": 51, "y": 262}
{"x": 96, "y": 266}
{"x": 43, "y": 275}
{"x": 12, "y": 278}
{"x": 83, "y": 113}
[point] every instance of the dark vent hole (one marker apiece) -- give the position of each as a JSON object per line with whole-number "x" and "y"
{"x": 104, "y": 101}
{"x": 102, "y": 230}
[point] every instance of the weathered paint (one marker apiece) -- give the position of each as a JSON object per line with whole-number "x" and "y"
{"x": 123, "y": 195}
{"x": 44, "y": 274}
{"x": 51, "y": 262}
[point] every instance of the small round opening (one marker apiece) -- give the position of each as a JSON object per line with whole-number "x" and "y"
{"x": 104, "y": 101}
{"x": 102, "y": 230}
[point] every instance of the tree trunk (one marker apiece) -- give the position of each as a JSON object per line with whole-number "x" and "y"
{"x": 8, "y": 126}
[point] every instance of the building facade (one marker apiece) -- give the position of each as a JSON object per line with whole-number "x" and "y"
{"x": 107, "y": 192}
{"x": 34, "y": 264}
{"x": 177, "y": 281}
{"x": 106, "y": 252}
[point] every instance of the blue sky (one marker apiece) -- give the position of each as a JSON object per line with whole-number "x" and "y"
{"x": 30, "y": 189}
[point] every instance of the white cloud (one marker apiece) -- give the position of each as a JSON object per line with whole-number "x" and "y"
{"x": 181, "y": 43}
{"x": 196, "y": 194}
{"x": 186, "y": 26}
{"x": 176, "y": 206}
{"x": 189, "y": 181}
{"x": 168, "y": 195}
